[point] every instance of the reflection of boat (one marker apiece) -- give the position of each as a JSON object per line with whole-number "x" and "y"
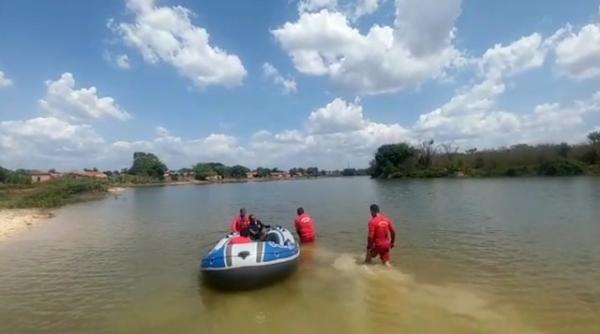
{"x": 251, "y": 264}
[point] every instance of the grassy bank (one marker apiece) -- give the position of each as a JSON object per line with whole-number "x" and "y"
{"x": 50, "y": 194}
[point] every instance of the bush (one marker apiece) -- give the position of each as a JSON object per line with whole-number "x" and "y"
{"x": 390, "y": 160}
{"x": 561, "y": 167}
{"x": 9, "y": 177}
{"x": 125, "y": 179}
{"x": 59, "y": 192}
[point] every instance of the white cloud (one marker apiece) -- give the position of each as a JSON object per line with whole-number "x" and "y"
{"x": 167, "y": 34}
{"x": 288, "y": 85}
{"x": 48, "y": 142}
{"x": 386, "y": 59}
{"x": 335, "y": 134}
{"x": 315, "y": 5}
{"x": 467, "y": 114}
{"x": 552, "y": 122}
{"x": 426, "y": 26}
{"x": 337, "y": 116}
{"x": 63, "y": 100}
{"x": 522, "y": 55}
{"x": 486, "y": 126}
{"x": 472, "y": 118}
{"x": 578, "y": 55}
{"x": 178, "y": 152}
{"x": 365, "y": 7}
{"x": 122, "y": 62}
{"x": 472, "y": 113}
{"x": 4, "y": 80}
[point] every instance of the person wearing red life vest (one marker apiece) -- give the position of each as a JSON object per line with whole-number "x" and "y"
{"x": 240, "y": 222}
{"x": 382, "y": 236}
{"x": 243, "y": 238}
{"x": 305, "y": 226}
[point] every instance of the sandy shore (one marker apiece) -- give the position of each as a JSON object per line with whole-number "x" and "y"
{"x": 15, "y": 221}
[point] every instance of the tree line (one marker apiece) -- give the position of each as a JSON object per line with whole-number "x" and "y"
{"x": 148, "y": 168}
{"x": 431, "y": 160}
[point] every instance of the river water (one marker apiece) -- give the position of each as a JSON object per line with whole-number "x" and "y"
{"x": 500, "y": 255}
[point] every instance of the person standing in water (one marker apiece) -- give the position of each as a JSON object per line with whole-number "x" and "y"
{"x": 305, "y": 226}
{"x": 382, "y": 236}
{"x": 240, "y": 222}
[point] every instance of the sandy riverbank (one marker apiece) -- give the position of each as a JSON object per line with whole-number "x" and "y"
{"x": 15, "y": 221}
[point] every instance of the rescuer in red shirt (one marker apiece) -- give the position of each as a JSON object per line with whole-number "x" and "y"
{"x": 382, "y": 236}
{"x": 240, "y": 222}
{"x": 305, "y": 226}
{"x": 243, "y": 238}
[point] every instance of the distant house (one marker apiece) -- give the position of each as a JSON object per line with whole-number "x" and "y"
{"x": 37, "y": 177}
{"x": 280, "y": 175}
{"x": 251, "y": 174}
{"x": 171, "y": 175}
{"x": 213, "y": 178}
{"x": 88, "y": 175}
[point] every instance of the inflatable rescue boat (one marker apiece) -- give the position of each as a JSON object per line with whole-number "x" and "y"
{"x": 244, "y": 265}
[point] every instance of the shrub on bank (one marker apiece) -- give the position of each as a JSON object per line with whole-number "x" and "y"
{"x": 57, "y": 193}
{"x": 446, "y": 160}
{"x": 128, "y": 179}
{"x": 562, "y": 167}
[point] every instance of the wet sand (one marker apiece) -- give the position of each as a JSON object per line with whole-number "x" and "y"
{"x": 17, "y": 221}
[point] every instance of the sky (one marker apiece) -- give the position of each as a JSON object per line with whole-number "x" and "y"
{"x": 285, "y": 83}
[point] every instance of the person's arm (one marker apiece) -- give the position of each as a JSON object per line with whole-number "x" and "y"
{"x": 392, "y": 233}
{"x": 234, "y": 225}
{"x": 297, "y": 225}
{"x": 371, "y": 236}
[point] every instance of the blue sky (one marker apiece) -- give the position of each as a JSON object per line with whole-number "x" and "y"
{"x": 289, "y": 83}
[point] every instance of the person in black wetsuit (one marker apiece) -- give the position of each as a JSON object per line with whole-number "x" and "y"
{"x": 257, "y": 230}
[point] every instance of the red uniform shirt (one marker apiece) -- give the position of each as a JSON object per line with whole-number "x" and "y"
{"x": 240, "y": 223}
{"x": 380, "y": 230}
{"x": 305, "y": 228}
{"x": 240, "y": 240}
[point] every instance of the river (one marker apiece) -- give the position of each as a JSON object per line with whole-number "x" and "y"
{"x": 506, "y": 255}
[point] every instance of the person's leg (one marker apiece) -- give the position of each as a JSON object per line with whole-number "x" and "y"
{"x": 371, "y": 253}
{"x": 385, "y": 256}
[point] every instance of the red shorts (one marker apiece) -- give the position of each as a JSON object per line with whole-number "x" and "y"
{"x": 382, "y": 250}
{"x": 307, "y": 239}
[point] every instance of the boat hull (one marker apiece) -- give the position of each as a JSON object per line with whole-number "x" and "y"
{"x": 249, "y": 277}
{"x": 239, "y": 266}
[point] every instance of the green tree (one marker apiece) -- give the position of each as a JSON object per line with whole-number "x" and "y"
{"x": 561, "y": 167}
{"x": 263, "y": 172}
{"x": 147, "y": 164}
{"x": 390, "y": 158}
{"x": 4, "y": 173}
{"x": 239, "y": 171}
{"x": 349, "y": 172}
{"x": 185, "y": 170}
{"x": 203, "y": 171}
{"x": 594, "y": 137}
{"x": 312, "y": 171}
{"x": 426, "y": 152}
{"x": 220, "y": 169}
{"x": 564, "y": 149}
{"x": 14, "y": 177}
